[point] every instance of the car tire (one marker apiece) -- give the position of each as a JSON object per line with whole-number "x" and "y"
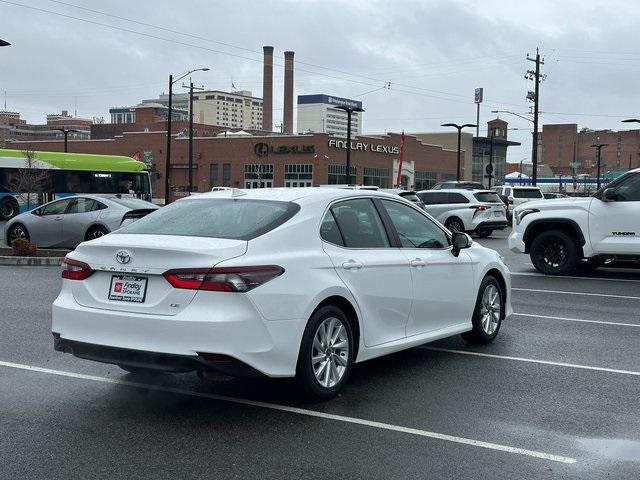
{"x": 324, "y": 367}
{"x": 9, "y": 208}
{"x": 96, "y": 231}
{"x": 484, "y": 233}
{"x": 488, "y": 313}
{"x": 554, "y": 253}
{"x": 17, "y": 230}
{"x": 454, "y": 224}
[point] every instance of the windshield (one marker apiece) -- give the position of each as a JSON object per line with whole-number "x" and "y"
{"x": 224, "y": 218}
{"x": 527, "y": 193}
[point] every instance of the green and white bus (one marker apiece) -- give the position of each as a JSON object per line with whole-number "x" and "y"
{"x": 55, "y": 174}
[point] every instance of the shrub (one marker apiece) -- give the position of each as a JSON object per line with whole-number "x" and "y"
{"x": 24, "y": 248}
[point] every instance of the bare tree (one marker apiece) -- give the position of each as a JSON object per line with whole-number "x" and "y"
{"x": 28, "y": 181}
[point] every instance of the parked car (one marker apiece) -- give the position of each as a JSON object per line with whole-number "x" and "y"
{"x": 565, "y": 234}
{"x": 552, "y": 195}
{"x": 458, "y": 184}
{"x": 406, "y": 194}
{"x": 472, "y": 211}
{"x": 282, "y": 282}
{"x": 514, "y": 195}
{"x": 72, "y": 220}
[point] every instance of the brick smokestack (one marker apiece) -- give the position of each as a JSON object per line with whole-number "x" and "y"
{"x": 287, "y": 120}
{"x": 267, "y": 89}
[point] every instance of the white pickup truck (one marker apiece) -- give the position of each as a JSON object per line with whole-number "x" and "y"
{"x": 564, "y": 234}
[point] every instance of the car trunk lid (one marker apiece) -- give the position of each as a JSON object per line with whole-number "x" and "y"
{"x": 139, "y": 261}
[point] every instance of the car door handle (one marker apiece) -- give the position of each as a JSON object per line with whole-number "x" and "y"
{"x": 418, "y": 262}
{"x": 352, "y": 265}
{"x": 57, "y": 219}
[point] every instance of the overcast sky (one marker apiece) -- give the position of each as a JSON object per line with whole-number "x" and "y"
{"x": 433, "y": 53}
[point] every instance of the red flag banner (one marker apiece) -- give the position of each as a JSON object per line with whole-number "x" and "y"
{"x": 400, "y": 160}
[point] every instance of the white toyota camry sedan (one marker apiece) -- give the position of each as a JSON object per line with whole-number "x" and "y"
{"x": 277, "y": 282}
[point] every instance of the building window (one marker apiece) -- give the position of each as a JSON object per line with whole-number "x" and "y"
{"x": 337, "y": 174}
{"x": 213, "y": 175}
{"x": 226, "y": 174}
{"x": 448, "y": 177}
{"x": 376, "y": 176}
{"x": 210, "y": 97}
{"x": 298, "y": 175}
{"x": 258, "y": 175}
{"x": 425, "y": 180}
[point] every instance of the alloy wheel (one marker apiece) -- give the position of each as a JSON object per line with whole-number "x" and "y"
{"x": 17, "y": 232}
{"x": 96, "y": 233}
{"x": 456, "y": 226}
{"x": 330, "y": 352}
{"x": 7, "y": 210}
{"x": 553, "y": 253}
{"x": 491, "y": 309}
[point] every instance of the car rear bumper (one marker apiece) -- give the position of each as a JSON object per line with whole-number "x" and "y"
{"x": 492, "y": 225}
{"x": 233, "y": 328}
{"x": 153, "y": 360}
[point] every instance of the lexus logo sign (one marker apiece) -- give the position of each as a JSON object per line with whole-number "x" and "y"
{"x": 262, "y": 149}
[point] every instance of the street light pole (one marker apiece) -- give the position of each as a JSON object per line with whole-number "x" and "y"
{"x": 167, "y": 164}
{"x": 66, "y": 132}
{"x": 191, "y": 88}
{"x": 598, "y": 146}
{"x": 349, "y": 111}
{"x": 459, "y": 128}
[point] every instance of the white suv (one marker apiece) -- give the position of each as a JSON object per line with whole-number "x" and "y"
{"x": 565, "y": 233}
{"x": 514, "y": 195}
{"x": 471, "y": 211}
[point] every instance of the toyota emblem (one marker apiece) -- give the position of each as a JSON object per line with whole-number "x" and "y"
{"x": 123, "y": 256}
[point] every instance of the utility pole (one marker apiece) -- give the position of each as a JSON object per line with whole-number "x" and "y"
{"x": 535, "y": 97}
{"x": 167, "y": 164}
{"x": 598, "y": 146}
{"x": 191, "y": 88}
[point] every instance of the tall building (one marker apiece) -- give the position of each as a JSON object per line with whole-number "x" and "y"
{"x": 567, "y": 150}
{"x": 317, "y": 114}
{"x": 490, "y": 154}
{"x": 212, "y": 107}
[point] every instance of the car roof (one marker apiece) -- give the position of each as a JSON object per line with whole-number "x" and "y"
{"x": 285, "y": 194}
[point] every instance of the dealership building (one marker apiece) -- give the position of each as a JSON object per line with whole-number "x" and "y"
{"x": 273, "y": 160}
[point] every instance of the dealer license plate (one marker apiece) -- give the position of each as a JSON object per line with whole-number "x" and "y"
{"x": 126, "y": 288}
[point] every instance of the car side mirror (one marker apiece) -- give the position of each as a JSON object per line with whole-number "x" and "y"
{"x": 610, "y": 195}
{"x": 460, "y": 241}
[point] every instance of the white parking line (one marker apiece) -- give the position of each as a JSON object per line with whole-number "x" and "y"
{"x": 525, "y": 274}
{"x": 559, "y": 292}
{"x": 300, "y": 411}
{"x": 602, "y": 322}
{"x": 533, "y": 360}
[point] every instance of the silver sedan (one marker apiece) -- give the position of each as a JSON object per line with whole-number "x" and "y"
{"x": 72, "y": 220}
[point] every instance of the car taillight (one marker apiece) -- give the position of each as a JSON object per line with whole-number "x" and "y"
{"x": 75, "y": 270}
{"x": 225, "y": 279}
{"x": 509, "y": 200}
{"x": 479, "y": 208}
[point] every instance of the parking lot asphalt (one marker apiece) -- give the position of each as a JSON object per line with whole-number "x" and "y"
{"x": 557, "y": 395}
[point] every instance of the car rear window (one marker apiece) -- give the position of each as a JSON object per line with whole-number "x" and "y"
{"x": 527, "y": 193}
{"x": 132, "y": 203}
{"x": 215, "y": 218}
{"x": 487, "y": 197}
{"x": 412, "y": 197}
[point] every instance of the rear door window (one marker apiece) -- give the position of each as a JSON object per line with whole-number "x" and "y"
{"x": 360, "y": 224}
{"x": 527, "y": 193}
{"x": 216, "y": 218}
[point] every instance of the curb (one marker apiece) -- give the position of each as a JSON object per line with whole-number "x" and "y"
{"x": 31, "y": 261}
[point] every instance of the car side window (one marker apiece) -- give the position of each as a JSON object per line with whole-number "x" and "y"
{"x": 454, "y": 197}
{"x": 414, "y": 229}
{"x": 83, "y": 205}
{"x": 329, "y": 230}
{"x": 360, "y": 224}
{"x": 628, "y": 189}
{"x": 55, "y": 208}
